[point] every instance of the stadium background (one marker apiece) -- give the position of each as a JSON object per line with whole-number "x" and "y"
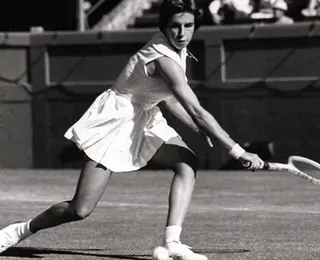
{"x": 260, "y": 81}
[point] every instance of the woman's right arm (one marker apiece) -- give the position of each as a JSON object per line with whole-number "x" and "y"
{"x": 174, "y": 76}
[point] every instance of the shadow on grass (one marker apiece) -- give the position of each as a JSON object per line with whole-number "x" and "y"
{"x": 31, "y": 252}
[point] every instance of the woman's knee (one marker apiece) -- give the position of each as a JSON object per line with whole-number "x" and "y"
{"x": 175, "y": 154}
{"x": 188, "y": 161}
{"x": 80, "y": 212}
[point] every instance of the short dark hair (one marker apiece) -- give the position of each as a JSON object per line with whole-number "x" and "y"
{"x": 171, "y": 7}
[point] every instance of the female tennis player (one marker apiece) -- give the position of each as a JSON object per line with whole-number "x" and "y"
{"x": 124, "y": 129}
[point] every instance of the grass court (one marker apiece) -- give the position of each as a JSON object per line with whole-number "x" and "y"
{"x": 233, "y": 216}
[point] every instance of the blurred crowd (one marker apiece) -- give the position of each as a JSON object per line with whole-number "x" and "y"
{"x": 262, "y": 11}
{"x": 216, "y": 12}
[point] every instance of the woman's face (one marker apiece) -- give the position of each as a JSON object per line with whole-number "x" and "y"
{"x": 180, "y": 29}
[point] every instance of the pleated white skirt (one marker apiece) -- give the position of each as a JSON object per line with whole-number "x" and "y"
{"x": 120, "y": 134}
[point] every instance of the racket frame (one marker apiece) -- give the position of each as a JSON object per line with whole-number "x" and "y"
{"x": 291, "y": 168}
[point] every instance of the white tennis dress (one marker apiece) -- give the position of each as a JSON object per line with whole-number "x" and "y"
{"x": 123, "y": 128}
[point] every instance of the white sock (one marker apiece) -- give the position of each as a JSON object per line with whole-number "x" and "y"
{"x": 172, "y": 233}
{"x": 23, "y": 230}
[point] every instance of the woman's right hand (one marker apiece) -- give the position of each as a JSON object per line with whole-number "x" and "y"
{"x": 253, "y": 160}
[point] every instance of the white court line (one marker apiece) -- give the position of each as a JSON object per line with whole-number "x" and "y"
{"x": 193, "y": 208}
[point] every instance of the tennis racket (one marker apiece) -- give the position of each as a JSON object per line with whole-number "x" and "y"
{"x": 298, "y": 165}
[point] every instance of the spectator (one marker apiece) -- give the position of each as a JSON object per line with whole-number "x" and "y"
{"x": 295, "y": 8}
{"x": 313, "y": 8}
{"x": 280, "y": 9}
{"x": 266, "y": 4}
{"x": 264, "y": 12}
{"x": 229, "y": 11}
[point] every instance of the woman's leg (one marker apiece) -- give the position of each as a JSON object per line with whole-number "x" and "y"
{"x": 91, "y": 185}
{"x": 176, "y": 155}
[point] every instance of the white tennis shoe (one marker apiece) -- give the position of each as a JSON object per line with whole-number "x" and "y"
{"x": 179, "y": 251}
{"x": 12, "y": 235}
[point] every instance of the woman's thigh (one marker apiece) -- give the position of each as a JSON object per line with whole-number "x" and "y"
{"x": 91, "y": 184}
{"x": 174, "y": 153}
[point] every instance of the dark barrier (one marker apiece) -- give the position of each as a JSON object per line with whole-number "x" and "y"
{"x": 260, "y": 82}
{"x": 15, "y": 103}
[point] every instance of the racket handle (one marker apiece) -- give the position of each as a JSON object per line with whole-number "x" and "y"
{"x": 266, "y": 166}
{"x": 246, "y": 164}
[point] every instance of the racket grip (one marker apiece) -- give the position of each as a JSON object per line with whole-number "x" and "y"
{"x": 266, "y": 166}
{"x": 246, "y": 164}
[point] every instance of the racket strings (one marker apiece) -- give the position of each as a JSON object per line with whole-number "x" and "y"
{"x": 308, "y": 167}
